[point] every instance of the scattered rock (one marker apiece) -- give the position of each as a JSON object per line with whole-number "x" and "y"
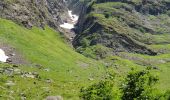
{"x": 10, "y": 83}
{"x": 30, "y": 74}
{"x": 46, "y": 89}
{"x": 39, "y": 66}
{"x": 11, "y": 92}
{"x": 47, "y": 69}
{"x": 23, "y": 96}
{"x": 162, "y": 61}
{"x": 11, "y": 54}
{"x": 49, "y": 80}
{"x": 9, "y": 60}
{"x": 17, "y": 70}
{"x": 9, "y": 71}
{"x": 90, "y": 79}
{"x": 54, "y": 98}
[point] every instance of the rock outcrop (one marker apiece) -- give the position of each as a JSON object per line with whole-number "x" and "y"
{"x": 34, "y": 12}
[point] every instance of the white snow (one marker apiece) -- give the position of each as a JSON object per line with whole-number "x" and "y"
{"x": 73, "y": 18}
{"x": 3, "y": 57}
{"x": 67, "y": 26}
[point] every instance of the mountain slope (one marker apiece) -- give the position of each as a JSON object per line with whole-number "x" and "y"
{"x": 61, "y": 71}
{"x": 49, "y": 67}
{"x": 124, "y": 25}
{"x": 135, "y": 30}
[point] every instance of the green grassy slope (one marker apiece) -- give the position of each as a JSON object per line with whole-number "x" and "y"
{"x": 100, "y": 39}
{"x": 68, "y": 70}
{"x": 160, "y": 62}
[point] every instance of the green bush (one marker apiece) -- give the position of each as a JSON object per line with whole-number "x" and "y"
{"x": 138, "y": 85}
{"x": 85, "y": 42}
{"x": 103, "y": 90}
{"x": 167, "y": 95}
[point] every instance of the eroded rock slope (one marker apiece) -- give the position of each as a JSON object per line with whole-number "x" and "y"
{"x": 122, "y": 26}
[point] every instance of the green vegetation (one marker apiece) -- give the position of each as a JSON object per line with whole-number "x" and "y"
{"x": 46, "y": 48}
{"x": 103, "y": 90}
{"x": 120, "y": 35}
{"x": 138, "y": 85}
{"x": 126, "y": 34}
{"x": 68, "y": 70}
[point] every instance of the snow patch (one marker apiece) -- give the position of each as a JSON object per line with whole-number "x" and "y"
{"x": 67, "y": 26}
{"x": 3, "y": 57}
{"x": 73, "y": 18}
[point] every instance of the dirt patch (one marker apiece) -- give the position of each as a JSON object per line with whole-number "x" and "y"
{"x": 14, "y": 56}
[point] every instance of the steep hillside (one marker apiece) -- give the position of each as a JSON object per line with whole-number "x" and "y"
{"x": 45, "y": 65}
{"x": 52, "y": 68}
{"x": 135, "y": 30}
{"x": 124, "y": 26}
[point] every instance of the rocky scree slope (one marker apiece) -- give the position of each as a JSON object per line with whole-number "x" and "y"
{"x": 122, "y": 26}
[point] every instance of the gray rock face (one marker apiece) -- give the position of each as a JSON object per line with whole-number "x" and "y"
{"x": 34, "y": 12}
{"x": 75, "y": 5}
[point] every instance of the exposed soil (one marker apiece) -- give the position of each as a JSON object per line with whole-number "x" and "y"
{"x": 14, "y": 56}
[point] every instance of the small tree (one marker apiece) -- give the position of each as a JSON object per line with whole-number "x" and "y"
{"x": 104, "y": 90}
{"x": 138, "y": 85}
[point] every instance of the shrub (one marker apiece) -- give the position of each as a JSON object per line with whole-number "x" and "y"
{"x": 103, "y": 90}
{"x": 167, "y": 95}
{"x": 138, "y": 85}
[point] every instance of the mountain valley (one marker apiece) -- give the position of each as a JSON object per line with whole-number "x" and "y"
{"x": 56, "y": 47}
